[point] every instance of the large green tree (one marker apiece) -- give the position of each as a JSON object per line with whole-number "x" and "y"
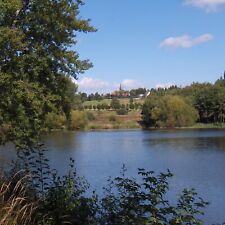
{"x": 37, "y": 39}
{"x": 207, "y": 98}
{"x": 168, "y": 111}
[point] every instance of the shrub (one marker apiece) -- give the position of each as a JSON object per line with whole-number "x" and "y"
{"x": 99, "y": 107}
{"x": 61, "y": 199}
{"x": 112, "y": 118}
{"x": 131, "y": 106}
{"x": 55, "y": 121}
{"x": 78, "y": 120}
{"x": 90, "y": 116}
{"x": 122, "y": 111}
{"x": 115, "y": 104}
{"x": 105, "y": 106}
{"x": 127, "y": 201}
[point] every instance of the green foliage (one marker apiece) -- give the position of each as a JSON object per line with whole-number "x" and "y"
{"x": 168, "y": 111}
{"x": 210, "y": 103}
{"x": 60, "y": 199}
{"x": 78, "y": 120}
{"x": 99, "y": 107}
{"x": 90, "y": 116}
{"x": 77, "y": 103}
{"x": 127, "y": 201}
{"x": 136, "y": 92}
{"x": 37, "y": 63}
{"x": 55, "y": 121}
{"x": 64, "y": 201}
{"x": 137, "y": 106}
{"x": 131, "y": 106}
{"x": 207, "y": 99}
{"x": 115, "y": 104}
{"x": 122, "y": 111}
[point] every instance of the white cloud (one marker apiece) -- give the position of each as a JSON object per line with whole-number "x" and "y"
{"x": 131, "y": 84}
{"x": 89, "y": 84}
{"x": 163, "y": 85}
{"x": 185, "y": 41}
{"x": 208, "y": 5}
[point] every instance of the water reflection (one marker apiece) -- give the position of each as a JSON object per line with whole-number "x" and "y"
{"x": 190, "y": 143}
{"x": 196, "y": 157}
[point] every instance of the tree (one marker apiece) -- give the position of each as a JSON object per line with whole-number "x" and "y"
{"x": 97, "y": 96}
{"x": 115, "y": 104}
{"x": 136, "y": 92}
{"x": 168, "y": 111}
{"x": 37, "y": 62}
{"x": 210, "y": 103}
{"x": 83, "y": 96}
{"x": 179, "y": 113}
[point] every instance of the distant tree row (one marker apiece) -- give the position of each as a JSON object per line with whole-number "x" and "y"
{"x": 133, "y": 93}
{"x": 114, "y": 105}
{"x": 177, "y": 107}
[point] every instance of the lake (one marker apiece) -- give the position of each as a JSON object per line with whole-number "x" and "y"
{"x": 196, "y": 157}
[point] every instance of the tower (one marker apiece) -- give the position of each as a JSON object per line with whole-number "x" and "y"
{"x": 122, "y": 89}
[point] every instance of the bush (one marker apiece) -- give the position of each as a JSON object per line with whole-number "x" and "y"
{"x": 55, "y": 121}
{"x": 99, "y": 107}
{"x": 105, "y": 106}
{"x": 131, "y": 106}
{"x": 90, "y": 116}
{"x": 112, "y": 118}
{"x": 122, "y": 111}
{"x": 115, "y": 104}
{"x": 78, "y": 120}
{"x": 127, "y": 201}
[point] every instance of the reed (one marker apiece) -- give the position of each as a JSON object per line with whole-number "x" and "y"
{"x": 15, "y": 206}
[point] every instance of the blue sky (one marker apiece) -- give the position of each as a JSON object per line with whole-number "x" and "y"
{"x": 152, "y": 43}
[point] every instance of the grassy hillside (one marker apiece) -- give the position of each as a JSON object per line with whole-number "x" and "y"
{"x": 110, "y": 120}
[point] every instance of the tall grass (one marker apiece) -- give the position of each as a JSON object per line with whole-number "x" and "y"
{"x": 15, "y": 207}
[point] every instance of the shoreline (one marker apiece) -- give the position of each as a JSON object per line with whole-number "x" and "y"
{"x": 141, "y": 128}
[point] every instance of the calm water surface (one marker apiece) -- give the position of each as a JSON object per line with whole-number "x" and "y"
{"x": 197, "y": 158}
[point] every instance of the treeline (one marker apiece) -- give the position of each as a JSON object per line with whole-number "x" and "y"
{"x": 80, "y": 115}
{"x": 133, "y": 93}
{"x": 114, "y": 104}
{"x": 178, "y": 107}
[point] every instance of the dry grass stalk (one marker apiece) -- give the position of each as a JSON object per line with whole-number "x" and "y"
{"x": 15, "y": 208}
